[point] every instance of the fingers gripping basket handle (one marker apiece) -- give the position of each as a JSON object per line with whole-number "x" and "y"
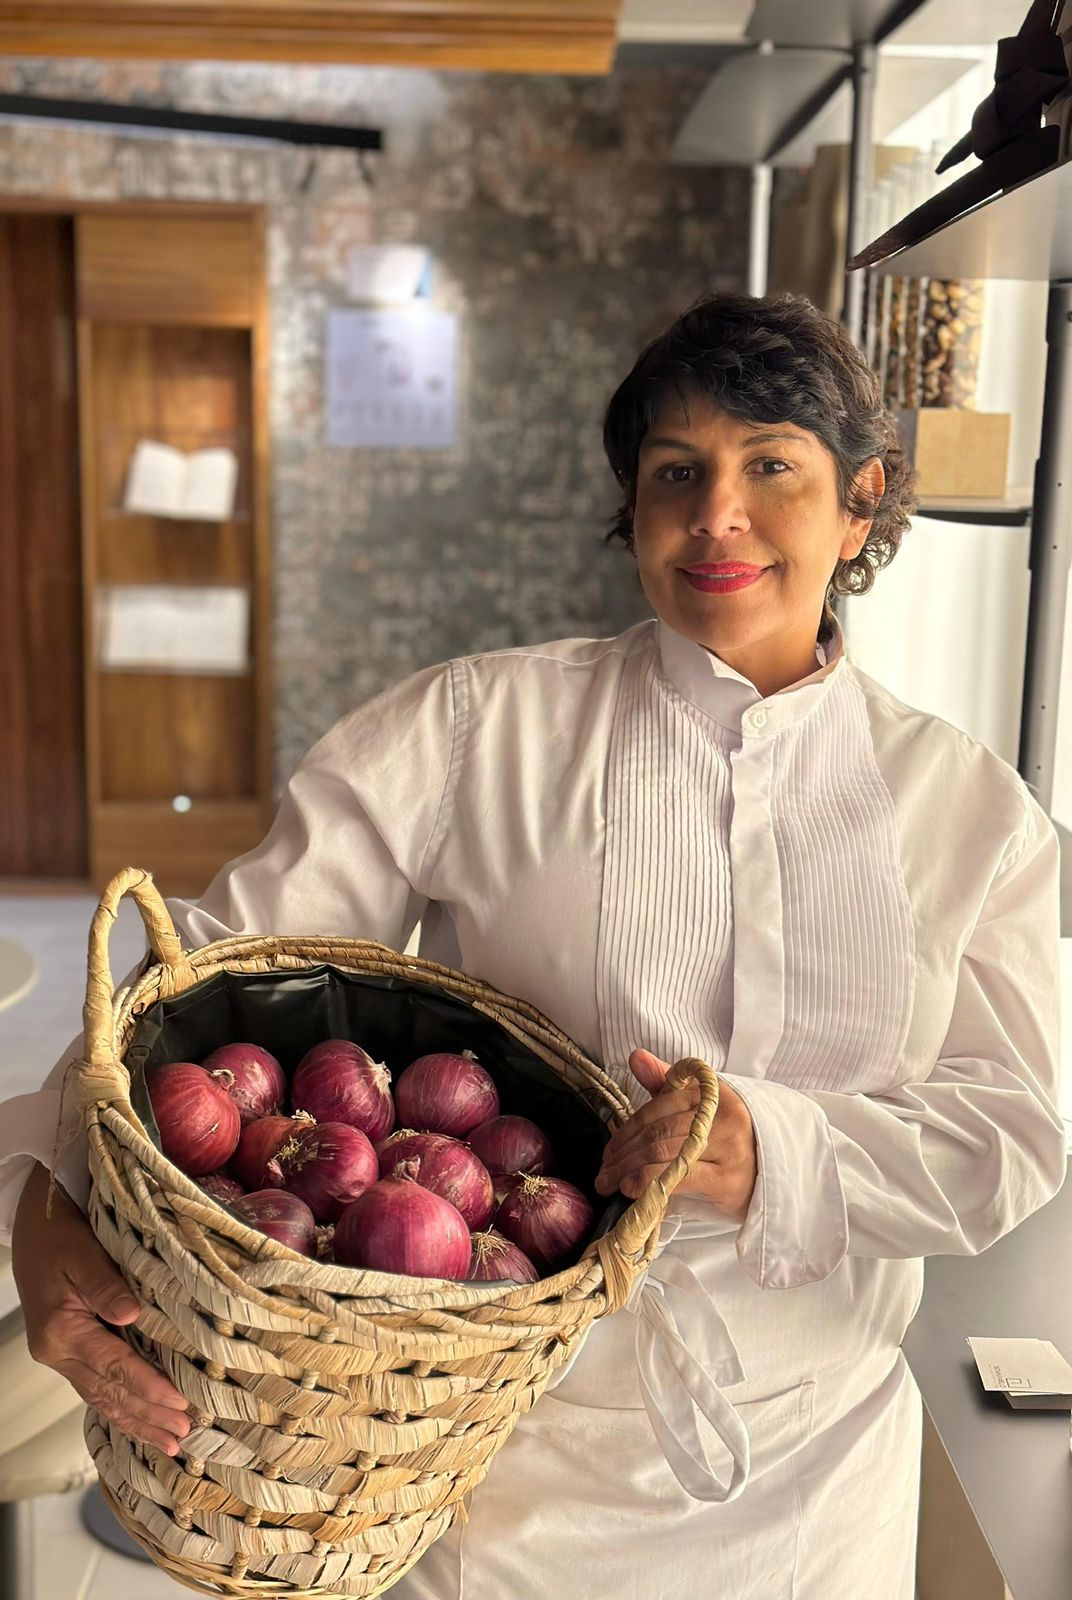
{"x": 631, "y": 1234}
{"x": 100, "y": 1062}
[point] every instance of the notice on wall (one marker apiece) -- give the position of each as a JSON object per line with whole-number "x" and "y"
{"x": 391, "y": 379}
{"x": 173, "y": 628}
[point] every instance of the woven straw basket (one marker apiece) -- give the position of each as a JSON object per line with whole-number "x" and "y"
{"x": 340, "y": 1416}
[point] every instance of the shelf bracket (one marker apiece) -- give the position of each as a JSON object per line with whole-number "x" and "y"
{"x": 1051, "y": 555}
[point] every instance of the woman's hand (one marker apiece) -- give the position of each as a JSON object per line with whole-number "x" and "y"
{"x": 641, "y": 1149}
{"x": 66, "y": 1280}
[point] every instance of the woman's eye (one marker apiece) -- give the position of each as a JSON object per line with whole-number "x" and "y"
{"x": 765, "y": 463}
{"x": 664, "y": 472}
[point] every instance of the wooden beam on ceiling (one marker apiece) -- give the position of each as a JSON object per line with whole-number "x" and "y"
{"x": 554, "y": 36}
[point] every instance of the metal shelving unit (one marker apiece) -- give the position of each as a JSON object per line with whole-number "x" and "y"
{"x": 1026, "y": 233}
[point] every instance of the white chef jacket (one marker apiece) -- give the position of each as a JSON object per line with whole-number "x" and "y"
{"x": 850, "y": 909}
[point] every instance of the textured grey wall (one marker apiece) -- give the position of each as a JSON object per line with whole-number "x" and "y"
{"x": 561, "y": 238}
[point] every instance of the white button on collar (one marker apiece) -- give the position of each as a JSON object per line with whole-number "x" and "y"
{"x": 758, "y": 719}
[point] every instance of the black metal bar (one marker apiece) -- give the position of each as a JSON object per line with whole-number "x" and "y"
{"x": 1051, "y": 556}
{"x": 861, "y": 174}
{"x": 307, "y": 133}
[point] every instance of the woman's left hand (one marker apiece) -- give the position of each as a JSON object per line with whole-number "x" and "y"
{"x": 643, "y": 1147}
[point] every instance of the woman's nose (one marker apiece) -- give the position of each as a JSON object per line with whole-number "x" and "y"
{"x": 719, "y": 507}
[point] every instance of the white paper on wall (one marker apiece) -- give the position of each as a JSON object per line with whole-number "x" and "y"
{"x": 173, "y": 628}
{"x": 392, "y": 378}
{"x": 165, "y": 482}
{"x": 386, "y": 274}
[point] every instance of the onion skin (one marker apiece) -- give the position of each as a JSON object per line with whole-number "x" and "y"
{"x": 255, "y": 1162}
{"x": 221, "y": 1186}
{"x": 496, "y": 1260}
{"x": 251, "y": 1076}
{"x": 281, "y": 1216}
{"x": 545, "y": 1217}
{"x": 399, "y": 1226}
{"x": 328, "y": 1165}
{"x": 502, "y": 1183}
{"x": 198, "y": 1121}
{"x": 445, "y": 1166}
{"x": 337, "y": 1081}
{"x": 446, "y": 1093}
{"x": 512, "y": 1144}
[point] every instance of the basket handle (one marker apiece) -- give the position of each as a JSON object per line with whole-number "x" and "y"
{"x": 633, "y": 1230}
{"x": 99, "y": 1060}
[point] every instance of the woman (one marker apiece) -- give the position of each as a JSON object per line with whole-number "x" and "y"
{"x": 708, "y": 836}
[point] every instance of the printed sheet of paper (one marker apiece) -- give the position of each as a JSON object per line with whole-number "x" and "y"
{"x": 173, "y": 628}
{"x": 392, "y": 378}
{"x": 1031, "y": 1373}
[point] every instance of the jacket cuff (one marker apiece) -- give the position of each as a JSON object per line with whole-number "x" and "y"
{"x": 797, "y": 1228}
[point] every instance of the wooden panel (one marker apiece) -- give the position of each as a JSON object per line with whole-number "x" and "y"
{"x": 165, "y": 269}
{"x": 42, "y": 814}
{"x": 172, "y": 347}
{"x": 149, "y": 550}
{"x": 559, "y": 36}
{"x": 164, "y": 734}
{"x": 183, "y": 851}
{"x": 187, "y": 387}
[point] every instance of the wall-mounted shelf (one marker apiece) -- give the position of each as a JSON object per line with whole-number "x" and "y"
{"x": 1025, "y": 233}
{"x": 1013, "y": 511}
{"x": 166, "y": 723}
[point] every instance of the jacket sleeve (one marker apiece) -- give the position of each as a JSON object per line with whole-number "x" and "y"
{"x": 351, "y": 852}
{"x": 947, "y": 1165}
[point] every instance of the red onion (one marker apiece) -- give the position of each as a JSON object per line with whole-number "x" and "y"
{"x": 399, "y": 1226}
{"x": 337, "y": 1081}
{"x": 198, "y": 1121}
{"x": 221, "y": 1186}
{"x": 496, "y": 1260}
{"x": 447, "y": 1167}
{"x": 502, "y": 1183}
{"x": 255, "y": 1161}
{"x": 546, "y": 1217}
{"x": 511, "y": 1144}
{"x": 446, "y": 1093}
{"x": 252, "y": 1077}
{"x": 328, "y": 1165}
{"x": 281, "y": 1216}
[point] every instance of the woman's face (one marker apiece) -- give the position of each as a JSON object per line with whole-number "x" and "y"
{"x": 712, "y": 488}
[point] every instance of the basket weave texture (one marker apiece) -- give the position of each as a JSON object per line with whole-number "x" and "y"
{"x": 340, "y": 1415}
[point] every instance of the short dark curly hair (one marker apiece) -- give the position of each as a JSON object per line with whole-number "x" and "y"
{"x": 772, "y": 359}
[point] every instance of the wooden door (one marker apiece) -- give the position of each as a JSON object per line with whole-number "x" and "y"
{"x": 43, "y": 829}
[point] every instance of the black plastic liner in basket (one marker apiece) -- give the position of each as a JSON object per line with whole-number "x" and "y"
{"x": 395, "y": 1020}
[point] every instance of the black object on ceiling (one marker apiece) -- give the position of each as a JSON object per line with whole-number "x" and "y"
{"x": 100, "y": 111}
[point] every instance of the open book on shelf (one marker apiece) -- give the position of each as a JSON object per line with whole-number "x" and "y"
{"x": 196, "y": 486}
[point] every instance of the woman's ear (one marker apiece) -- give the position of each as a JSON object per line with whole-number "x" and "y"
{"x": 869, "y": 484}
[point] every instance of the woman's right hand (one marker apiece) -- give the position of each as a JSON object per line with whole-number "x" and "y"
{"x": 66, "y": 1281}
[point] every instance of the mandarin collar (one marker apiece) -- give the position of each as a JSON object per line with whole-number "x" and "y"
{"x": 730, "y": 698}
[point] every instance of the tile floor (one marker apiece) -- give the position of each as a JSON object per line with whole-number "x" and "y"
{"x": 70, "y": 1565}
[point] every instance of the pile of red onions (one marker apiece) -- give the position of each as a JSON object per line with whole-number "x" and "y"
{"x": 461, "y": 1190}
